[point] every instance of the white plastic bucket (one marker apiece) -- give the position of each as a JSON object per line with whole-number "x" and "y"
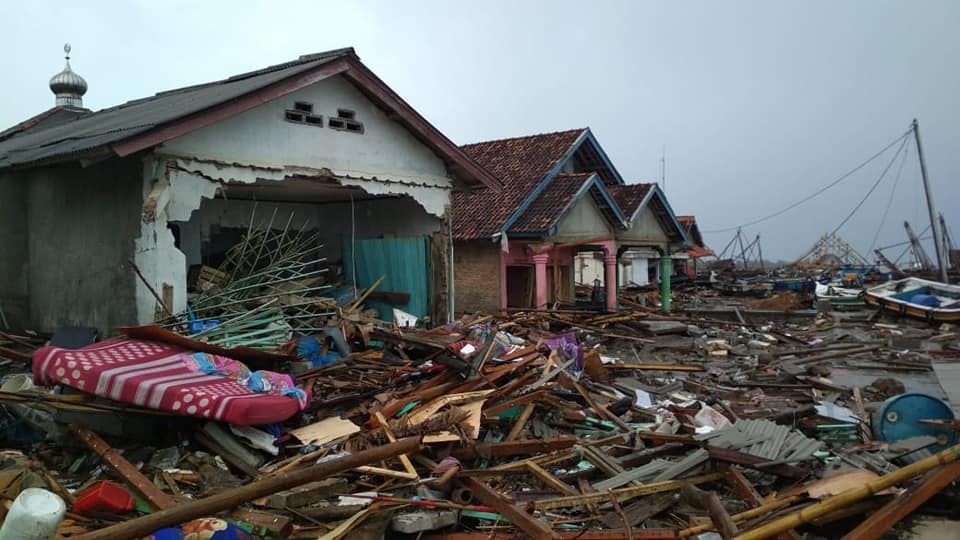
{"x": 34, "y": 515}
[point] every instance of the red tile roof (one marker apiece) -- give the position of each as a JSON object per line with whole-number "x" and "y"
{"x": 698, "y": 252}
{"x": 629, "y": 197}
{"x": 689, "y": 223}
{"x": 551, "y": 203}
{"x": 520, "y": 163}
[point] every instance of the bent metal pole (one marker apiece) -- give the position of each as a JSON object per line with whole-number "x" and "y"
{"x": 142, "y": 526}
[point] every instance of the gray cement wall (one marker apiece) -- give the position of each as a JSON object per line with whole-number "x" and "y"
{"x": 82, "y": 224}
{"x": 13, "y": 250}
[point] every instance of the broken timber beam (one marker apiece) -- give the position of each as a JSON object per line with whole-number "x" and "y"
{"x": 144, "y": 525}
{"x": 655, "y": 367}
{"x": 623, "y": 494}
{"x": 851, "y": 496}
{"x": 709, "y": 501}
{"x": 759, "y": 511}
{"x": 530, "y": 525}
{"x": 637, "y": 534}
{"x": 550, "y": 480}
{"x": 158, "y": 499}
{"x": 900, "y": 507}
{"x": 755, "y": 462}
{"x": 514, "y": 448}
{"x": 745, "y": 489}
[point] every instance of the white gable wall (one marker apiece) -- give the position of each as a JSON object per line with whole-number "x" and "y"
{"x": 645, "y": 229}
{"x": 261, "y": 137}
{"x": 584, "y": 220}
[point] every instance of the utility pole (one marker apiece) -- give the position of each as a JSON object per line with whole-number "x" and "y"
{"x": 663, "y": 169}
{"x": 760, "y": 253}
{"x": 934, "y": 225}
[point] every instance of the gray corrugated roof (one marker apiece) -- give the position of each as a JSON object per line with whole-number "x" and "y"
{"x": 115, "y": 124}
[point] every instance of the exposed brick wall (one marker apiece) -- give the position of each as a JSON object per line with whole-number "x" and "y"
{"x": 476, "y": 276}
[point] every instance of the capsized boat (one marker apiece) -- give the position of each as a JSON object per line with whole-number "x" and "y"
{"x": 921, "y": 298}
{"x": 838, "y": 296}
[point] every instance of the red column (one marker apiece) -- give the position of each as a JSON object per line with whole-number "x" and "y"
{"x": 610, "y": 280}
{"x": 540, "y": 276}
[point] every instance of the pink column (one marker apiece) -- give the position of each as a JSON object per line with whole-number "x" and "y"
{"x": 503, "y": 283}
{"x": 610, "y": 280}
{"x": 540, "y": 277}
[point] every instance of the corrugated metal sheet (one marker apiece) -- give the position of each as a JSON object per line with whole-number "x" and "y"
{"x": 114, "y": 124}
{"x": 765, "y": 439}
{"x": 643, "y": 473}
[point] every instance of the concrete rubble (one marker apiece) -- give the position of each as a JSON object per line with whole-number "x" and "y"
{"x": 722, "y": 419}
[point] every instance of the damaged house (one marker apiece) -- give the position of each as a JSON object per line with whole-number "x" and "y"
{"x": 165, "y": 184}
{"x": 562, "y": 200}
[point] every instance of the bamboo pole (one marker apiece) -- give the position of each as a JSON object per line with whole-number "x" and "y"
{"x": 144, "y": 525}
{"x": 761, "y": 510}
{"x": 851, "y": 496}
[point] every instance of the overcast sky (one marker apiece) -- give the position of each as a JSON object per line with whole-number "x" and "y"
{"x": 757, "y": 104}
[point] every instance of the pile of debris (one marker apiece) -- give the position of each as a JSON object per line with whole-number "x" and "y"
{"x": 298, "y": 416}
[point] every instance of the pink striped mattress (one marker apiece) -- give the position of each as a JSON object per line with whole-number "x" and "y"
{"x": 158, "y": 376}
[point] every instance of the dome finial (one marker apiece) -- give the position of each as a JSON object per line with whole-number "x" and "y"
{"x": 67, "y": 85}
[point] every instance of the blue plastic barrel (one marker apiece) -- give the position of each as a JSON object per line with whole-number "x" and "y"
{"x": 897, "y": 419}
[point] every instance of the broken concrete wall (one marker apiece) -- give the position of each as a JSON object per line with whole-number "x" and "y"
{"x": 383, "y": 159}
{"x": 14, "y": 255}
{"x": 262, "y": 145}
{"x": 375, "y": 218}
{"x": 81, "y": 228}
{"x": 167, "y": 196}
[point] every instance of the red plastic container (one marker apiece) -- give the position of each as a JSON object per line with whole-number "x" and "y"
{"x": 104, "y": 497}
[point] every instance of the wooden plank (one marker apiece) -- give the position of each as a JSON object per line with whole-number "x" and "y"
{"x": 623, "y": 493}
{"x": 522, "y": 400}
{"x": 745, "y": 489}
{"x": 754, "y": 462}
{"x": 655, "y": 367}
{"x": 550, "y": 480}
{"x": 392, "y": 438}
{"x": 514, "y": 448}
{"x": 885, "y": 518}
{"x": 641, "y": 510}
{"x": 520, "y": 422}
{"x": 533, "y": 527}
{"x": 710, "y": 502}
{"x": 113, "y": 459}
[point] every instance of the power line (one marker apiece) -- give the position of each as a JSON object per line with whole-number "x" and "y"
{"x": 818, "y": 192}
{"x": 873, "y": 187}
{"x": 893, "y": 191}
